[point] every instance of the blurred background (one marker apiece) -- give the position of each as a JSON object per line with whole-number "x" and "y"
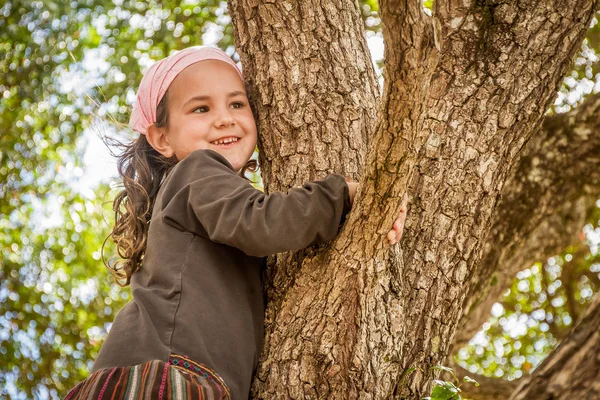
{"x": 68, "y": 73}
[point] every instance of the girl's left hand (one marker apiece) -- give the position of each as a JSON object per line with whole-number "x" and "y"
{"x": 395, "y": 234}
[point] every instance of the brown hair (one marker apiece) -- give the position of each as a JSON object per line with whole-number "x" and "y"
{"x": 142, "y": 169}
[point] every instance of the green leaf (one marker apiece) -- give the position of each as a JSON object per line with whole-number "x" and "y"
{"x": 442, "y": 368}
{"x": 445, "y": 391}
{"x": 446, "y": 369}
{"x": 468, "y": 379}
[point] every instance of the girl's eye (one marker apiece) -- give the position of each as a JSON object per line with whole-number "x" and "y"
{"x": 237, "y": 105}
{"x": 201, "y": 109}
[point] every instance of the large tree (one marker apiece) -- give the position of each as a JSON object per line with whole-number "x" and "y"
{"x": 457, "y": 130}
{"x": 464, "y": 128}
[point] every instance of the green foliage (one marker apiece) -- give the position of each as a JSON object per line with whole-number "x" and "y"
{"x": 369, "y": 9}
{"x": 447, "y": 390}
{"x": 584, "y": 75}
{"x": 544, "y": 302}
{"x": 51, "y": 278}
{"x": 56, "y": 297}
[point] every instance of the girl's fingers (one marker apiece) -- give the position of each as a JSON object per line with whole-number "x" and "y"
{"x": 395, "y": 234}
{"x": 398, "y": 235}
{"x": 398, "y": 224}
{"x": 391, "y": 236}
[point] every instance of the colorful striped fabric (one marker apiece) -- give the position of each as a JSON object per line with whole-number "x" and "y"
{"x": 178, "y": 379}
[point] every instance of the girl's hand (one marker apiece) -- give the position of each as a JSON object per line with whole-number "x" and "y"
{"x": 395, "y": 234}
{"x": 352, "y": 188}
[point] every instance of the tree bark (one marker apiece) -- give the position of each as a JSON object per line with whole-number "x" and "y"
{"x": 555, "y": 187}
{"x": 571, "y": 371}
{"x": 353, "y": 319}
{"x": 312, "y": 85}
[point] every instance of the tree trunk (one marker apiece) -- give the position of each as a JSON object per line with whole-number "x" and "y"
{"x": 464, "y": 92}
{"x": 312, "y": 84}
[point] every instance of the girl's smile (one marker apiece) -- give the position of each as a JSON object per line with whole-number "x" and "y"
{"x": 227, "y": 142}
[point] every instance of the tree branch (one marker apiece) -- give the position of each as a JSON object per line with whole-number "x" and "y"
{"x": 553, "y": 187}
{"x": 571, "y": 371}
{"x": 467, "y": 131}
{"x": 294, "y": 54}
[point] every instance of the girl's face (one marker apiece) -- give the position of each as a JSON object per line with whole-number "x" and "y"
{"x": 208, "y": 109}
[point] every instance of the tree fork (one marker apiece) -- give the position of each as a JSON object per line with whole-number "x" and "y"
{"x": 454, "y": 118}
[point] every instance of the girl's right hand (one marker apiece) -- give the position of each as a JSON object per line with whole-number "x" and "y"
{"x": 352, "y": 188}
{"x": 395, "y": 234}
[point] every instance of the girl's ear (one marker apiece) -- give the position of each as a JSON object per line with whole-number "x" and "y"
{"x": 157, "y": 137}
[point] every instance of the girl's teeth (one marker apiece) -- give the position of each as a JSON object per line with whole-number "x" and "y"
{"x": 226, "y": 141}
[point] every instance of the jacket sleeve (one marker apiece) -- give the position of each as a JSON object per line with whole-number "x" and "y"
{"x": 204, "y": 195}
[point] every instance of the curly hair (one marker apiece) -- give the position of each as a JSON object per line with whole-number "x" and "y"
{"x": 142, "y": 169}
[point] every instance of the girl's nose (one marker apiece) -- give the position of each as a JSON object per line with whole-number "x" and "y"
{"x": 224, "y": 120}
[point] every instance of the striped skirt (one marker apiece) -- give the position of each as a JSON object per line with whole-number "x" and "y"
{"x": 179, "y": 378}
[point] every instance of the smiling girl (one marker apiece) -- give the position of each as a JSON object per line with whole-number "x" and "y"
{"x": 192, "y": 232}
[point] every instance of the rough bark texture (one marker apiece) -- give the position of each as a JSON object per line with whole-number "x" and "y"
{"x": 315, "y": 92}
{"x": 313, "y": 84}
{"x": 351, "y": 320}
{"x": 571, "y": 371}
{"x": 481, "y": 113}
{"x": 555, "y": 184}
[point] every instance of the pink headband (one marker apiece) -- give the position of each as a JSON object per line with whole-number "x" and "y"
{"x": 159, "y": 77}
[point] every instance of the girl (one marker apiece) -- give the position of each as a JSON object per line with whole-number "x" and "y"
{"x": 192, "y": 232}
